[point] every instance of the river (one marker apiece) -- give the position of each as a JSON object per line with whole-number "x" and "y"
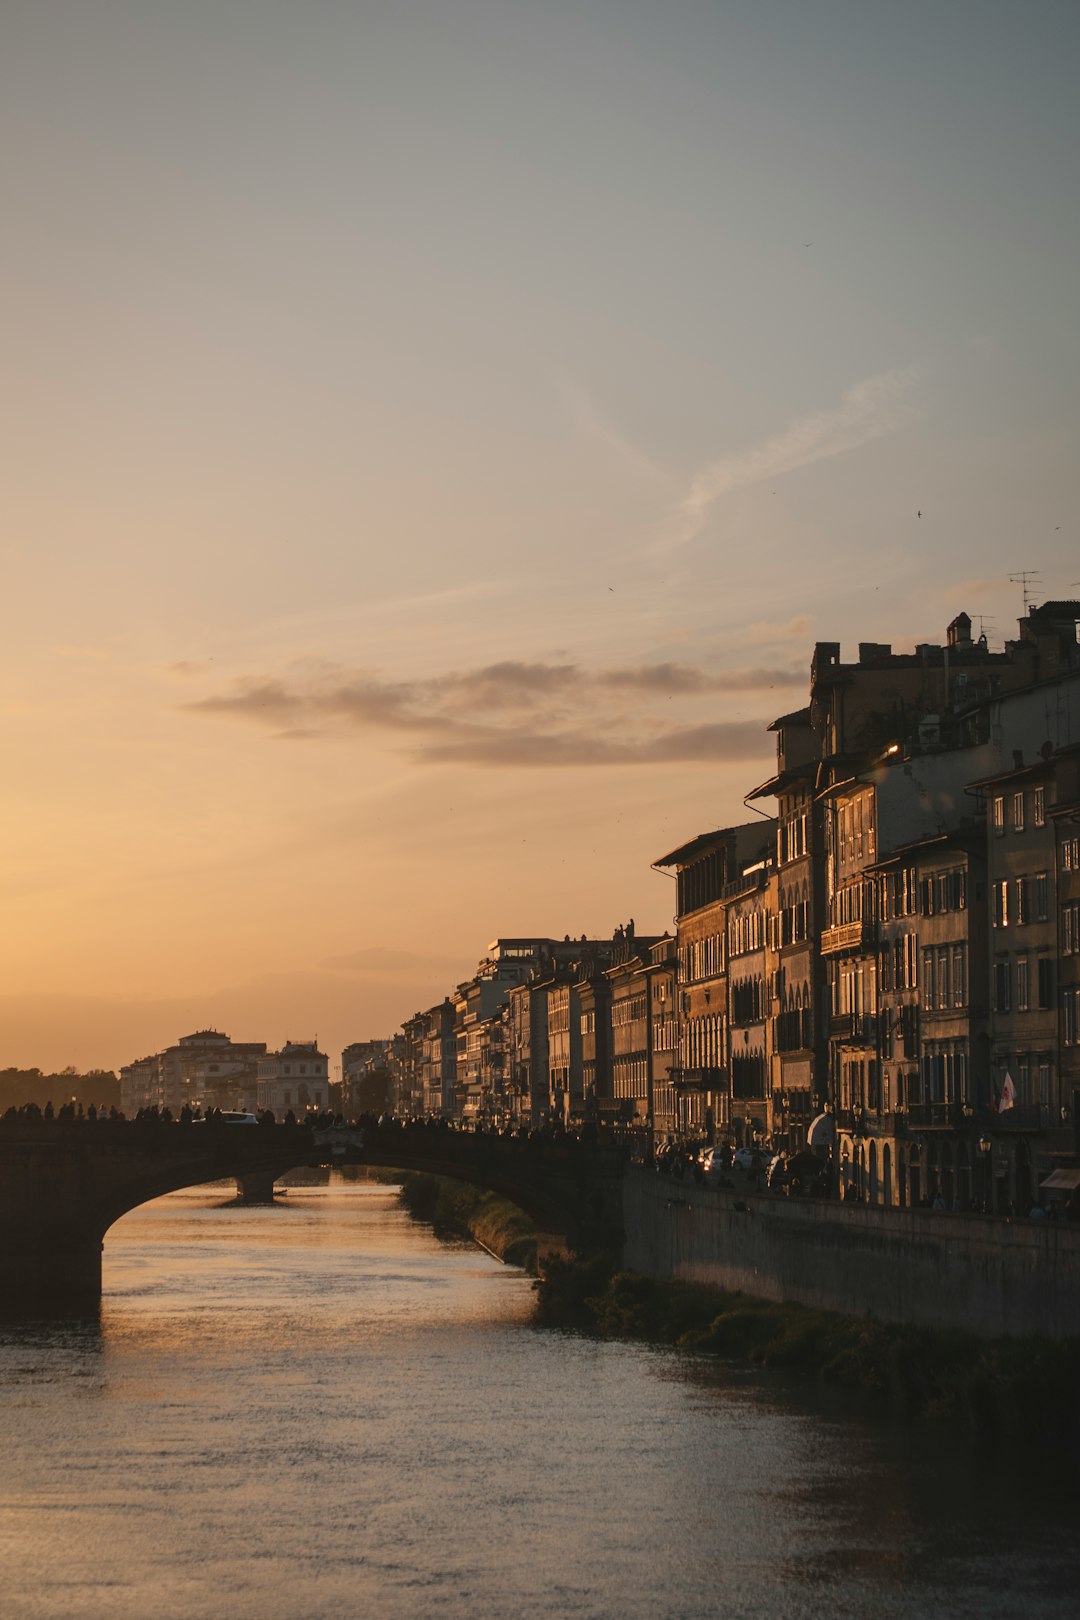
{"x": 321, "y": 1410}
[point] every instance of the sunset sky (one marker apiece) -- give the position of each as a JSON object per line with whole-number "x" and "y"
{"x": 435, "y": 434}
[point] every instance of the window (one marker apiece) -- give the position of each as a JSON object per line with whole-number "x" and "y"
{"x": 1023, "y": 901}
{"x": 959, "y": 976}
{"x": 701, "y": 959}
{"x": 1023, "y": 984}
{"x": 791, "y": 838}
{"x": 944, "y": 978}
{"x": 1045, "y": 983}
{"x": 747, "y": 931}
{"x": 845, "y": 906}
{"x": 999, "y": 815}
{"x": 946, "y": 891}
{"x": 1001, "y": 903}
{"x": 1040, "y": 896}
{"x": 1070, "y": 855}
{"x": 909, "y": 891}
{"x": 1038, "y": 807}
{"x": 1002, "y": 987}
{"x": 1023, "y": 1078}
{"x": 1018, "y": 812}
{"x": 1070, "y": 929}
{"x": 1070, "y": 1006}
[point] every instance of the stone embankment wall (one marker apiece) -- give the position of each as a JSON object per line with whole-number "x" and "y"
{"x": 911, "y": 1266}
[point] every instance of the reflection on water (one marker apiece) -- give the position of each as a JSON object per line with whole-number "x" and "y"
{"x": 320, "y": 1410}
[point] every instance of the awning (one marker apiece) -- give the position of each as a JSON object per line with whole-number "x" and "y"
{"x": 1061, "y": 1181}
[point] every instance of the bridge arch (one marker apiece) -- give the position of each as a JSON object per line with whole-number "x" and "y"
{"x": 64, "y": 1184}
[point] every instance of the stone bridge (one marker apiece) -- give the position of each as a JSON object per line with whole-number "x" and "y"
{"x": 64, "y": 1182}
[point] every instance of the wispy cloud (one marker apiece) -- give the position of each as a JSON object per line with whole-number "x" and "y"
{"x": 796, "y": 629}
{"x": 516, "y": 713}
{"x": 869, "y": 410}
{"x": 716, "y": 744}
{"x": 592, "y": 421}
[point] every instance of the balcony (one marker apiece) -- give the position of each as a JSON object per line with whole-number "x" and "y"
{"x": 856, "y": 1029}
{"x": 853, "y": 936}
{"x": 956, "y": 1116}
{"x": 700, "y": 1079}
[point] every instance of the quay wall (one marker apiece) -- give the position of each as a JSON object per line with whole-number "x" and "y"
{"x": 988, "y": 1275}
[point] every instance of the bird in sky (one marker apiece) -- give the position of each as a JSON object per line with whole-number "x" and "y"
{"x": 919, "y": 513}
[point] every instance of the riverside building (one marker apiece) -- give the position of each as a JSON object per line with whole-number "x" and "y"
{"x": 900, "y": 943}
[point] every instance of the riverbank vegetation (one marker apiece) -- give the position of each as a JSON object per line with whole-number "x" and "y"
{"x": 457, "y": 1209}
{"x": 1028, "y": 1388}
{"x": 98, "y": 1086}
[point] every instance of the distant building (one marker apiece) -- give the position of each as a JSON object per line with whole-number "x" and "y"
{"x": 203, "y": 1070}
{"x": 359, "y": 1061}
{"x": 295, "y": 1078}
{"x": 140, "y": 1085}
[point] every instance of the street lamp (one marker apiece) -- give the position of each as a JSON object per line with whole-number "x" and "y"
{"x": 985, "y": 1150}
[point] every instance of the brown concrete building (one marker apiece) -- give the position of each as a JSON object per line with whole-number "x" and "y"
{"x": 1065, "y": 818}
{"x": 438, "y": 1059}
{"x": 661, "y": 975}
{"x": 631, "y": 1028}
{"x": 203, "y": 1070}
{"x": 709, "y": 873}
{"x": 798, "y": 1079}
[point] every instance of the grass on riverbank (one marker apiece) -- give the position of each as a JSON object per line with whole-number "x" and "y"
{"x": 456, "y": 1209}
{"x": 1029, "y": 1388}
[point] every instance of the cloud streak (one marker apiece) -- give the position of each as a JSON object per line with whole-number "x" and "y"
{"x": 869, "y": 410}
{"x": 713, "y": 744}
{"x": 516, "y": 713}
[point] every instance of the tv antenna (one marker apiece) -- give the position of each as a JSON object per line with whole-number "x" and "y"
{"x": 1030, "y": 580}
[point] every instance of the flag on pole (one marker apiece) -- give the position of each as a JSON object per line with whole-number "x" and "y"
{"x": 1007, "y": 1099}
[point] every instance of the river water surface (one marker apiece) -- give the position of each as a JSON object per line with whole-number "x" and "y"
{"x": 321, "y": 1410}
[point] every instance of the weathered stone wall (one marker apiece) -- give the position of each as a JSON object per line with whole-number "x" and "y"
{"x": 929, "y": 1270}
